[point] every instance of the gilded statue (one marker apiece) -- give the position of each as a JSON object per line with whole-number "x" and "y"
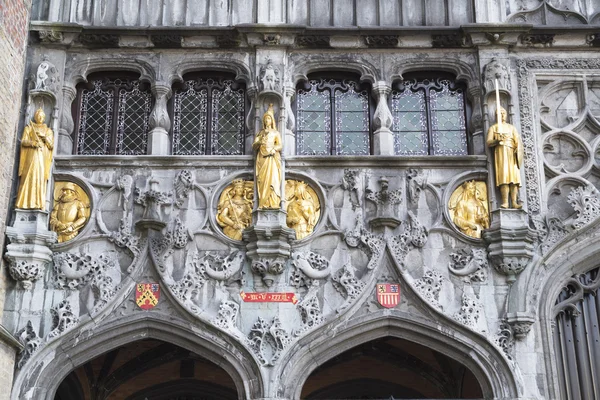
{"x": 37, "y": 144}
{"x": 70, "y": 212}
{"x": 267, "y": 145}
{"x": 508, "y": 156}
{"x": 469, "y": 208}
{"x": 303, "y": 208}
{"x": 234, "y": 211}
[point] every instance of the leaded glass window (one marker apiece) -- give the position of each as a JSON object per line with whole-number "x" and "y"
{"x": 208, "y": 117}
{"x": 113, "y": 116}
{"x": 333, "y": 118}
{"x": 429, "y": 118}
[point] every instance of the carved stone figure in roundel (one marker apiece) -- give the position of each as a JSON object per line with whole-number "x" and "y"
{"x": 303, "y": 208}
{"x": 234, "y": 211}
{"x": 71, "y": 210}
{"x": 468, "y": 208}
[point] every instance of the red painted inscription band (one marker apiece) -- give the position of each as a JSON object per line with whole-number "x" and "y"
{"x": 267, "y": 297}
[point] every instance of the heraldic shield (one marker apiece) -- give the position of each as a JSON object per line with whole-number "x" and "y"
{"x": 388, "y": 294}
{"x": 147, "y": 295}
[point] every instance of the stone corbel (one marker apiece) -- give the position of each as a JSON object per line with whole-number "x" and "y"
{"x": 152, "y": 200}
{"x": 510, "y": 242}
{"x": 521, "y": 323}
{"x": 28, "y": 253}
{"x": 160, "y": 123}
{"x": 382, "y": 121}
{"x": 67, "y": 125}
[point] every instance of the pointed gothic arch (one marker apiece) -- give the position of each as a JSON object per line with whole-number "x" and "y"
{"x": 490, "y": 368}
{"x": 44, "y": 372}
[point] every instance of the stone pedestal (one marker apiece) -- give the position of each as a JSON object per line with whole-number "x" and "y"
{"x": 510, "y": 242}
{"x": 268, "y": 243}
{"x": 521, "y": 323}
{"x": 28, "y": 253}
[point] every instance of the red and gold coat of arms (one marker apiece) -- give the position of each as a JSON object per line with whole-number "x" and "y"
{"x": 388, "y": 294}
{"x": 147, "y": 295}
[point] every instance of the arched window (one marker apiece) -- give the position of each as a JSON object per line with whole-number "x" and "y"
{"x": 333, "y": 117}
{"x": 208, "y": 116}
{"x": 112, "y": 115}
{"x": 429, "y": 117}
{"x": 576, "y": 334}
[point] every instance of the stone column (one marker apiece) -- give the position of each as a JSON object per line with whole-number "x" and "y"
{"x": 289, "y": 141}
{"x": 67, "y": 126}
{"x": 160, "y": 123}
{"x": 383, "y": 138}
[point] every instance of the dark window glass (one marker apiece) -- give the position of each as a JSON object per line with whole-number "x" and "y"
{"x": 429, "y": 118}
{"x": 208, "y": 117}
{"x": 113, "y": 116}
{"x": 333, "y": 118}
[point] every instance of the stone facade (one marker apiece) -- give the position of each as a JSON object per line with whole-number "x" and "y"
{"x": 485, "y": 302}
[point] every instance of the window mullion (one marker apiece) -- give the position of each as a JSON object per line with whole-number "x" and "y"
{"x": 333, "y": 131}
{"x": 114, "y": 131}
{"x": 209, "y": 113}
{"x": 429, "y": 122}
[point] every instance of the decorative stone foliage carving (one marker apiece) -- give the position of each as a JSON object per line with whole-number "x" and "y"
{"x": 429, "y": 287}
{"x": 309, "y": 267}
{"x": 124, "y": 237}
{"x": 26, "y": 272}
{"x": 310, "y": 312}
{"x": 63, "y": 319}
{"x": 268, "y": 340}
{"x": 586, "y": 202}
{"x": 381, "y": 41}
{"x": 371, "y": 244}
{"x": 385, "y": 199}
{"x": 550, "y": 230}
{"x": 471, "y": 265}
{"x": 267, "y": 269}
{"x": 496, "y": 70}
{"x": 347, "y": 284}
{"x": 539, "y": 39}
{"x": 30, "y": 341}
{"x": 520, "y": 323}
{"x": 470, "y": 310}
{"x": 505, "y": 339}
{"x": 313, "y": 41}
{"x": 152, "y": 200}
{"x": 413, "y": 234}
{"x": 352, "y": 182}
{"x": 50, "y": 36}
{"x": 448, "y": 40}
{"x": 184, "y": 182}
{"x": 73, "y": 271}
{"x": 415, "y": 183}
{"x": 227, "y": 315}
{"x": 104, "y": 40}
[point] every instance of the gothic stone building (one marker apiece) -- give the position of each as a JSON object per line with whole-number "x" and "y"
{"x": 173, "y": 284}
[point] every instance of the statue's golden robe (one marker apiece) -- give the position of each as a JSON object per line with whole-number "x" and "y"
{"x": 268, "y": 168}
{"x": 508, "y": 153}
{"x": 34, "y": 166}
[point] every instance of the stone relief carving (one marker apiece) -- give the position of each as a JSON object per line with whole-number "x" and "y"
{"x": 47, "y": 77}
{"x": 415, "y": 183}
{"x": 270, "y": 77}
{"x": 586, "y": 202}
{"x": 413, "y": 234}
{"x": 505, "y": 339}
{"x": 310, "y": 311}
{"x": 470, "y": 310}
{"x": 352, "y": 182}
{"x": 26, "y": 272}
{"x": 347, "y": 284}
{"x": 227, "y": 315}
{"x": 63, "y": 319}
{"x": 73, "y": 271}
{"x": 268, "y": 340}
{"x": 496, "y": 70}
{"x": 429, "y": 287}
{"x": 184, "y": 183}
{"x": 30, "y": 341}
{"x": 50, "y": 36}
{"x": 549, "y": 12}
{"x": 368, "y": 242}
{"x": 268, "y": 269}
{"x": 385, "y": 199}
{"x": 471, "y": 265}
{"x": 550, "y": 230}
{"x": 309, "y": 267}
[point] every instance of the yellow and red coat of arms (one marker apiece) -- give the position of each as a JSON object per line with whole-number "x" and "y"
{"x": 388, "y": 294}
{"x": 147, "y": 295}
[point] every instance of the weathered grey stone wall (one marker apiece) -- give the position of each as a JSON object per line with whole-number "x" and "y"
{"x": 153, "y": 217}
